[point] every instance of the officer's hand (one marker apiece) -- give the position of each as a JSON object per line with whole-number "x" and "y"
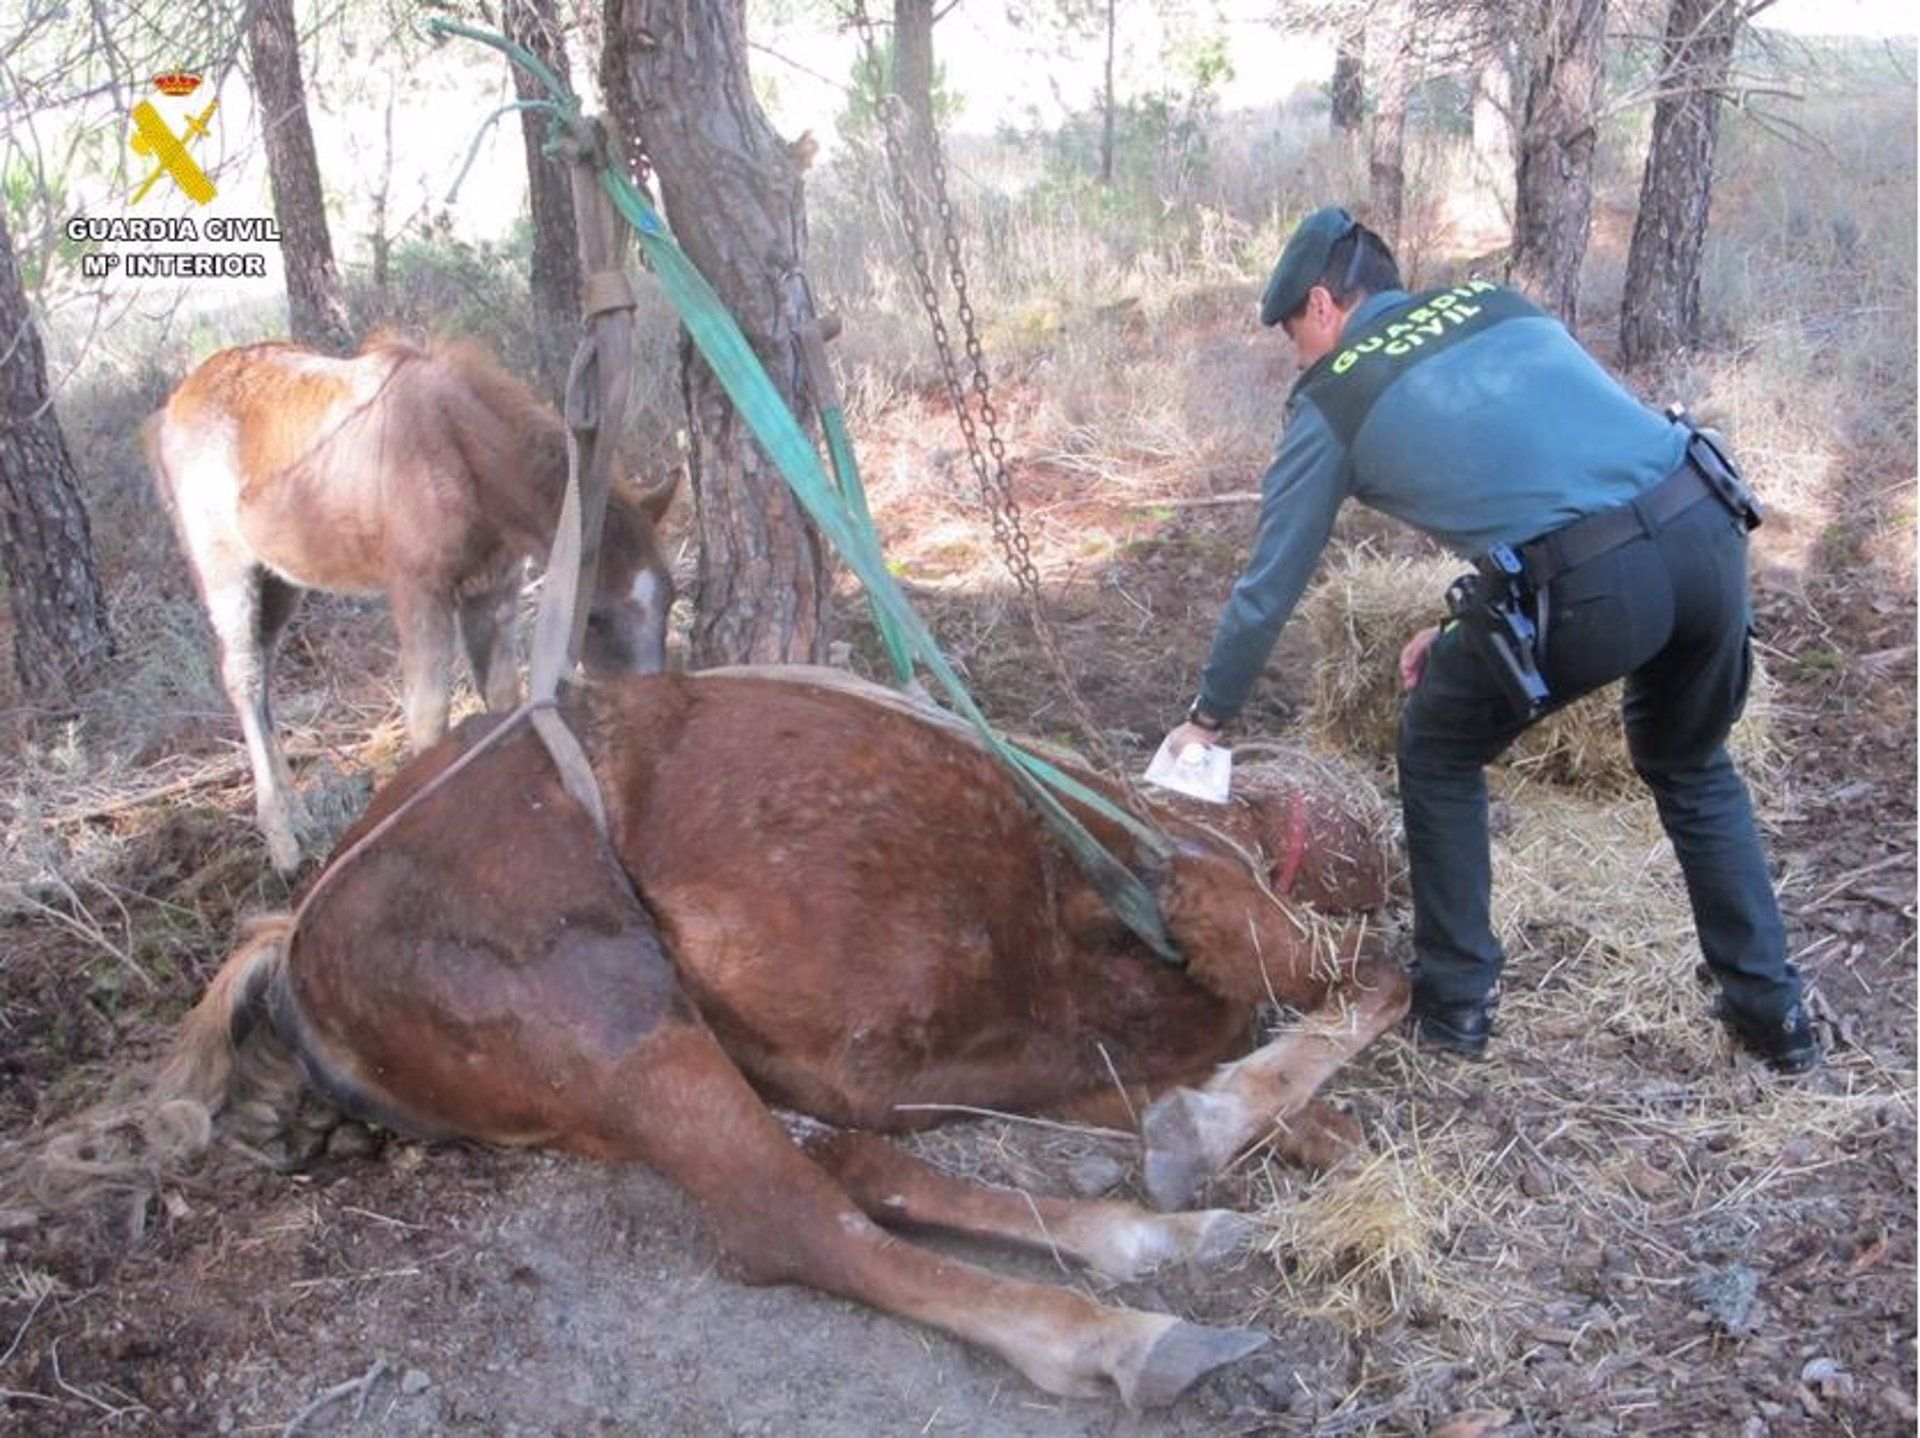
{"x": 1413, "y": 659}
{"x": 1192, "y": 734}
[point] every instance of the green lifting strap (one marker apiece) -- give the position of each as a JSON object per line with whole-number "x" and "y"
{"x": 844, "y": 521}
{"x": 833, "y": 424}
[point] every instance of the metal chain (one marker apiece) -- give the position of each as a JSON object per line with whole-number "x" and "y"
{"x": 991, "y": 478}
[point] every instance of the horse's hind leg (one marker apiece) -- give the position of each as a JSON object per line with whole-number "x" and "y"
{"x": 278, "y": 602}
{"x": 1119, "y": 1240}
{"x": 246, "y": 606}
{"x": 487, "y": 631}
{"x": 679, "y": 1105}
{"x": 424, "y": 621}
{"x": 241, "y": 599}
{"x": 1191, "y": 1134}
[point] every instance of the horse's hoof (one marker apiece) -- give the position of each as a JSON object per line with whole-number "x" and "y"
{"x": 1221, "y": 1236}
{"x": 284, "y": 852}
{"x": 1144, "y": 1244}
{"x": 1178, "y": 1157}
{"x": 1181, "y": 1354}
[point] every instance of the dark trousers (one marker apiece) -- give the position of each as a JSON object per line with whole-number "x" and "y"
{"x": 1669, "y": 613}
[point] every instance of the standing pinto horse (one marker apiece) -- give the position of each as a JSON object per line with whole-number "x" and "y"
{"x": 429, "y": 474}
{"x": 817, "y": 896}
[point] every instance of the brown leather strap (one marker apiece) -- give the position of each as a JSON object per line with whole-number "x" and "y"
{"x": 571, "y": 760}
{"x": 605, "y": 290}
{"x": 596, "y": 401}
{"x": 813, "y": 365}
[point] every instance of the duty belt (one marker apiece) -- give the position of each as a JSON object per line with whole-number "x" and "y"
{"x": 1572, "y": 545}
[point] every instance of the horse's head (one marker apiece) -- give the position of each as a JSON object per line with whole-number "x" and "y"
{"x": 633, "y": 590}
{"x": 1234, "y": 936}
{"x": 1256, "y": 894}
{"x": 1323, "y": 834}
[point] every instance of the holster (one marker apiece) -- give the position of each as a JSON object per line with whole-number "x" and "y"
{"x": 1505, "y": 620}
{"x": 1708, "y": 451}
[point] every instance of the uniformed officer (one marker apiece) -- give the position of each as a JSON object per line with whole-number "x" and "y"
{"x": 1475, "y": 417}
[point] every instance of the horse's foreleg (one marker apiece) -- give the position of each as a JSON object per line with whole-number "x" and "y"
{"x": 678, "y": 1104}
{"x": 487, "y": 631}
{"x": 424, "y": 621}
{"x": 1316, "y": 1136}
{"x": 1117, "y": 1239}
{"x": 1191, "y": 1134}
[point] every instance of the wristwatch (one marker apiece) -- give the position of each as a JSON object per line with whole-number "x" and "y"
{"x": 1198, "y": 716}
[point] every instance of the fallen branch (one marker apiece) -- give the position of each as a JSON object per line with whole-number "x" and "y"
{"x": 21, "y": 1332}
{"x": 363, "y": 1386}
{"x": 1201, "y": 501}
{"x": 1886, "y": 862}
{"x": 53, "y": 1355}
{"x": 976, "y": 1112}
{"x": 225, "y": 771}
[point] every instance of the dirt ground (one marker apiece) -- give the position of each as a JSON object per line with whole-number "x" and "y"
{"x": 1613, "y": 1226}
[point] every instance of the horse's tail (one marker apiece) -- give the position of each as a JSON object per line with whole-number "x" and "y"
{"x": 224, "y": 1055}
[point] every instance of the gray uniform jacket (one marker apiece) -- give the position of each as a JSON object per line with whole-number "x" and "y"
{"x": 1467, "y": 413}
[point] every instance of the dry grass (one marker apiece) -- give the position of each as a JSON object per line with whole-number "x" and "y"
{"x": 1611, "y": 1149}
{"x": 1360, "y": 613}
{"x": 1359, "y": 1246}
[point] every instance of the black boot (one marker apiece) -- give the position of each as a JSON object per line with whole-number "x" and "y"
{"x": 1458, "y": 1028}
{"x": 1786, "y": 1044}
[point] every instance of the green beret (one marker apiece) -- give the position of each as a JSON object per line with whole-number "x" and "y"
{"x": 1303, "y": 262}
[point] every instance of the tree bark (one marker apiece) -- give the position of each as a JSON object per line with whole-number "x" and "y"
{"x": 1390, "y": 57}
{"x": 1349, "y": 90}
{"x": 60, "y": 631}
{"x": 733, "y": 196}
{"x": 1661, "y": 310}
{"x": 316, "y": 310}
{"x": 1553, "y": 182}
{"x": 1494, "y": 155}
{"x": 912, "y": 81}
{"x": 1107, "y": 102}
{"x": 913, "y": 62}
{"x": 555, "y": 272}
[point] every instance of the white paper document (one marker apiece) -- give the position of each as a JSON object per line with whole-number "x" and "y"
{"x": 1200, "y": 771}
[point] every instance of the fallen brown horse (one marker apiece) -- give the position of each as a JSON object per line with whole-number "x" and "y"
{"x": 429, "y": 475}
{"x": 818, "y": 897}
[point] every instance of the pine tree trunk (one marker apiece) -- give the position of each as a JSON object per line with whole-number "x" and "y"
{"x": 1107, "y": 102}
{"x": 554, "y": 279}
{"x": 1553, "y": 182}
{"x": 1661, "y": 310}
{"x": 732, "y": 194}
{"x": 1494, "y": 157}
{"x": 912, "y": 81}
{"x": 1349, "y": 91}
{"x": 1390, "y": 59}
{"x": 317, "y": 312}
{"x": 60, "y": 632}
{"x": 913, "y": 61}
